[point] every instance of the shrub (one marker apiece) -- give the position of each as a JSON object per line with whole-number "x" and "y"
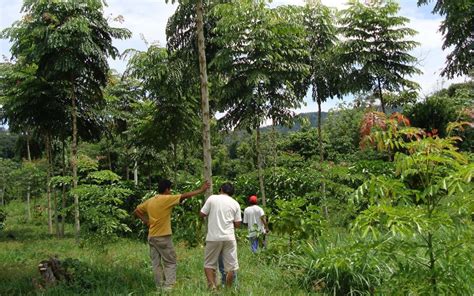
{"x": 342, "y": 266}
{"x": 298, "y": 219}
{"x": 101, "y": 213}
{"x": 424, "y": 211}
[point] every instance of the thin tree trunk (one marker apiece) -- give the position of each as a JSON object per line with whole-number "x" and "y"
{"x": 321, "y": 149}
{"x": 3, "y": 193}
{"x": 174, "y": 148}
{"x": 274, "y": 150}
{"x": 28, "y": 151}
{"x": 28, "y": 189}
{"x": 135, "y": 168}
{"x": 382, "y": 102}
{"x": 56, "y": 218}
{"x": 149, "y": 174}
{"x": 77, "y": 224}
{"x": 320, "y": 136}
{"x": 260, "y": 165}
{"x": 127, "y": 172}
{"x": 48, "y": 187}
{"x": 63, "y": 191}
{"x": 206, "y": 127}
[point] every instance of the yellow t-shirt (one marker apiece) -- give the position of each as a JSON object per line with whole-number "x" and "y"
{"x": 158, "y": 209}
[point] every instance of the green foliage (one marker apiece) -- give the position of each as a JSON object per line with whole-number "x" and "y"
{"x": 327, "y": 70}
{"x": 341, "y": 131}
{"x": 298, "y": 219}
{"x": 342, "y": 266}
{"x": 7, "y": 144}
{"x": 29, "y": 174}
{"x": 304, "y": 143}
{"x": 167, "y": 102}
{"x": 7, "y": 169}
{"x": 3, "y": 217}
{"x": 421, "y": 207}
{"x": 373, "y": 30}
{"x": 261, "y": 61}
{"x": 103, "y": 177}
{"x": 59, "y": 181}
{"x": 457, "y": 29}
{"x": 448, "y": 105}
{"x": 102, "y": 216}
{"x": 85, "y": 164}
{"x": 82, "y": 278}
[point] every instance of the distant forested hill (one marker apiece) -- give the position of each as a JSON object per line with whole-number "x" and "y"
{"x": 311, "y": 116}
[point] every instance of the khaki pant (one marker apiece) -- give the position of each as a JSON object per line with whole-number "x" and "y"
{"x": 162, "y": 251}
{"x": 226, "y": 249}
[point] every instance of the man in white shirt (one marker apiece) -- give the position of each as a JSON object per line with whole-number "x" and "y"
{"x": 254, "y": 217}
{"x": 223, "y": 214}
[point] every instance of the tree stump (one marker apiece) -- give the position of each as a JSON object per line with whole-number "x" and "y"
{"x": 51, "y": 272}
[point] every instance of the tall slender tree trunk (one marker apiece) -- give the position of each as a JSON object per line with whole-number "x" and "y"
{"x": 56, "y": 217}
{"x": 4, "y": 187}
{"x": 63, "y": 191}
{"x": 135, "y": 168}
{"x": 320, "y": 136}
{"x": 260, "y": 167}
{"x": 28, "y": 151}
{"x": 206, "y": 126}
{"x": 321, "y": 148}
{"x": 174, "y": 148}
{"x": 77, "y": 223}
{"x": 28, "y": 189}
{"x": 48, "y": 186}
{"x": 382, "y": 102}
{"x": 149, "y": 174}
{"x": 274, "y": 147}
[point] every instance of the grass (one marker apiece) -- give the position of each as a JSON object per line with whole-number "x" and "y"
{"x": 121, "y": 267}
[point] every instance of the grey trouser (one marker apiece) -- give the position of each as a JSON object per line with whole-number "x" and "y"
{"x": 162, "y": 249}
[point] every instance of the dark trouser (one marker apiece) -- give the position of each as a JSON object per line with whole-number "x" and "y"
{"x": 255, "y": 241}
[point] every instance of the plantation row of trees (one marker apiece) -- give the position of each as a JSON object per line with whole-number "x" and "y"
{"x": 360, "y": 201}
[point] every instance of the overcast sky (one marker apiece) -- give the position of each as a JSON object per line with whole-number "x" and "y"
{"x": 148, "y": 18}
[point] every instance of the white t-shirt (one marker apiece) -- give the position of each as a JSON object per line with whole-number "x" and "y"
{"x": 252, "y": 217}
{"x": 222, "y": 211}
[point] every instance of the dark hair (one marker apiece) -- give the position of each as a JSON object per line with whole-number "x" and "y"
{"x": 227, "y": 188}
{"x": 163, "y": 185}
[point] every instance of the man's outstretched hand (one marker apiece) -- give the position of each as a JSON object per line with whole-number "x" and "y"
{"x": 205, "y": 186}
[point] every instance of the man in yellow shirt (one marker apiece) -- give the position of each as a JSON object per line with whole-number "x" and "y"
{"x": 156, "y": 214}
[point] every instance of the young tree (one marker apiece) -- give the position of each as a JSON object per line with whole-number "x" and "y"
{"x": 30, "y": 105}
{"x": 163, "y": 81}
{"x": 206, "y": 125}
{"x": 458, "y": 31}
{"x": 425, "y": 211}
{"x": 72, "y": 41}
{"x": 377, "y": 47}
{"x": 326, "y": 70}
{"x": 262, "y": 63}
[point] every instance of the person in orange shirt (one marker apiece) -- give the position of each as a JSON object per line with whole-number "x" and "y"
{"x": 156, "y": 214}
